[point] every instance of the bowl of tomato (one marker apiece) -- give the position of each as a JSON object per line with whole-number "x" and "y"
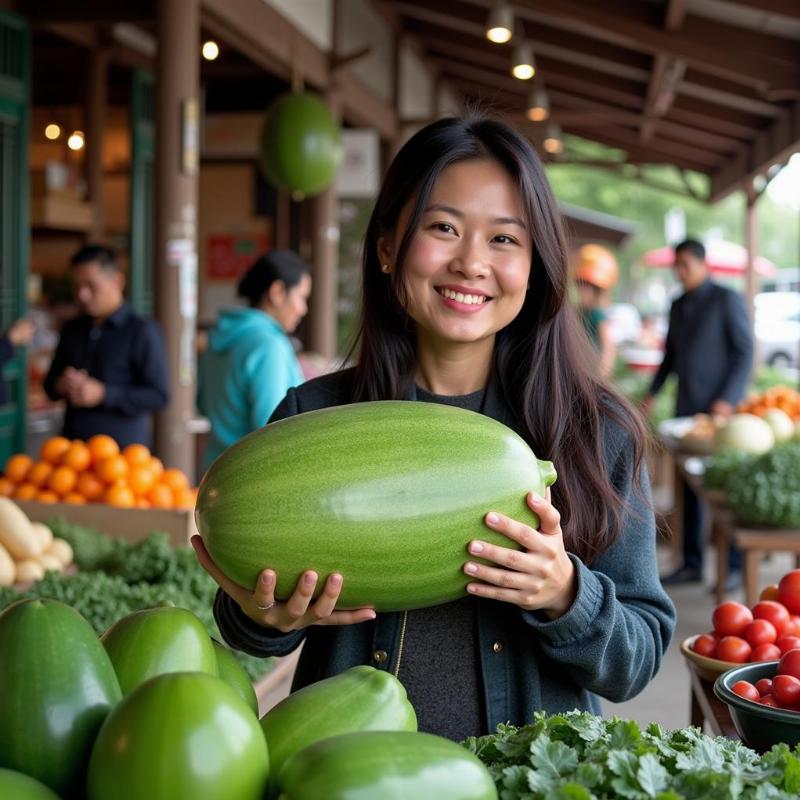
{"x": 764, "y": 701}
{"x": 705, "y": 666}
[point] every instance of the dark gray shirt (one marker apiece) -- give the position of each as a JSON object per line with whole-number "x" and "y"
{"x": 439, "y": 666}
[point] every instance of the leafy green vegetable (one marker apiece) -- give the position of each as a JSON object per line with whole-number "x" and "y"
{"x": 578, "y": 756}
{"x": 724, "y": 466}
{"x": 118, "y": 577}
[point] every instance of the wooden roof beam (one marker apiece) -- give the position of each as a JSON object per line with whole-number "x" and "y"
{"x": 667, "y": 73}
{"x": 616, "y": 21}
{"x": 772, "y": 145}
{"x": 782, "y": 8}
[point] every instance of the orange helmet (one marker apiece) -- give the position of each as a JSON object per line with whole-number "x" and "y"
{"x": 596, "y": 265}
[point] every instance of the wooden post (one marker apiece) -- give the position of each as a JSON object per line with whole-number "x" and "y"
{"x": 177, "y": 157}
{"x": 751, "y": 243}
{"x": 97, "y": 99}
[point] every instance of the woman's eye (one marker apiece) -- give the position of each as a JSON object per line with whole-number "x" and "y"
{"x": 444, "y": 227}
{"x": 503, "y": 239}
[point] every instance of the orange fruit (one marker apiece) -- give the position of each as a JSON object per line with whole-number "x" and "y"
{"x": 141, "y": 479}
{"x": 54, "y": 448}
{"x": 769, "y": 592}
{"x": 160, "y": 496}
{"x": 40, "y": 473}
{"x": 27, "y": 491}
{"x": 184, "y": 498}
{"x": 62, "y": 480}
{"x": 120, "y": 496}
{"x": 90, "y": 486}
{"x": 46, "y": 496}
{"x": 137, "y": 454}
{"x": 17, "y": 467}
{"x": 112, "y": 469}
{"x": 175, "y": 479}
{"x": 157, "y": 465}
{"x": 7, "y": 487}
{"x": 77, "y": 456}
{"x": 76, "y": 498}
{"x": 102, "y": 447}
{"x": 142, "y": 503}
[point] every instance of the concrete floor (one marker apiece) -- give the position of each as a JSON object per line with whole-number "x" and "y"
{"x": 666, "y": 699}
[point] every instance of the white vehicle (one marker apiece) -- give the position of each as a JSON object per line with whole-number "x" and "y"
{"x": 777, "y": 328}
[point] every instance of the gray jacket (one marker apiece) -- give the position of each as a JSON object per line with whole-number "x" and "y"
{"x": 610, "y": 643}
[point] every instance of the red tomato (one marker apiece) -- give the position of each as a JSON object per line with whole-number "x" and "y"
{"x": 766, "y": 652}
{"x": 705, "y": 645}
{"x": 760, "y": 631}
{"x": 746, "y": 689}
{"x": 764, "y": 686}
{"x": 789, "y": 591}
{"x": 734, "y": 649}
{"x": 790, "y": 663}
{"x": 730, "y": 619}
{"x": 796, "y": 623}
{"x": 773, "y": 612}
{"x": 769, "y": 700}
{"x": 786, "y": 689}
{"x": 788, "y": 643}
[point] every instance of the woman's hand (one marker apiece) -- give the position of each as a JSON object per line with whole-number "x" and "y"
{"x": 299, "y": 611}
{"x": 540, "y": 577}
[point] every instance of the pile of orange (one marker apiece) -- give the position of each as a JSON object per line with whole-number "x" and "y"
{"x": 783, "y": 397}
{"x": 96, "y": 471}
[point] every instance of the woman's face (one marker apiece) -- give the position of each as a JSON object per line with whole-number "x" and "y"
{"x": 288, "y": 307}
{"x": 467, "y": 267}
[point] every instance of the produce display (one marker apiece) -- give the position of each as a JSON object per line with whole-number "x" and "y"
{"x": 28, "y": 549}
{"x": 784, "y": 398}
{"x": 762, "y": 490}
{"x": 764, "y": 633}
{"x": 117, "y": 577}
{"x": 780, "y": 691}
{"x": 578, "y": 756}
{"x": 96, "y": 471}
{"x": 387, "y": 493}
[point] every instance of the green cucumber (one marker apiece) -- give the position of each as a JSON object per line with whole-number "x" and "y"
{"x": 359, "y": 699}
{"x": 386, "y": 765}
{"x": 387, "y": 493}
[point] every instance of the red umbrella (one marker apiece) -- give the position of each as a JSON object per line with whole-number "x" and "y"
{"x": 723, "y": 258}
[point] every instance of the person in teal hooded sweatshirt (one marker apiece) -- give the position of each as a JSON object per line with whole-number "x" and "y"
{"x": 250, "y": 363}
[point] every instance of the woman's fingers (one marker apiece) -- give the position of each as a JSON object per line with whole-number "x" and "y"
{"x": 549, "y": 518}
{"x": 297, "y": 605}
{"x": 264, "y": 594}
{"x": 349, "y": 617}
{"x": 506, "y": 578}
{"x": 326, "y": 602}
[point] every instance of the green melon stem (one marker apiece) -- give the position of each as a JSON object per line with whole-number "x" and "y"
{"x": 547, "y": 471}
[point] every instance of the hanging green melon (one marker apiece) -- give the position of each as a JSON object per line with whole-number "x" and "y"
{"x": 301, "y": 144}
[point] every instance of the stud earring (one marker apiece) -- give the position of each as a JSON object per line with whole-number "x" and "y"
{"x": 384, "y": 267}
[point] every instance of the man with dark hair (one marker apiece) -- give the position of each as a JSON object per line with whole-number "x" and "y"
{"x": 710, "y": 348}
{"x": 110, "y": 365}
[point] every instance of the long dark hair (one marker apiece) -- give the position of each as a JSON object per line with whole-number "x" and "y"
{"x": 541, "y": 362}
{"x": 277, "y": 265}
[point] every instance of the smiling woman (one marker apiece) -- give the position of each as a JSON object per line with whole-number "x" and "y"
{"x": 465, "y": 303}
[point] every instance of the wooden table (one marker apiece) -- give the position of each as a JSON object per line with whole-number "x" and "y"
{"x": 707, "y": 708}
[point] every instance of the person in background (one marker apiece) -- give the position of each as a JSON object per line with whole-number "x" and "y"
{"x": 465, "y": 302}
{"x": 250, "y": 362}
{"x": 596, "y": 274}
{"x": 709, "y": 347}
{"x": 19, "y": 333}
{"x": 110, "y": 364}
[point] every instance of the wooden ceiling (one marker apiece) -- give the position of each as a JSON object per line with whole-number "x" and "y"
{"x": 711, "y": 86}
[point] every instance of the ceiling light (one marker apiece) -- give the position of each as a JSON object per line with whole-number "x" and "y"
{"x": 76, "y": 140}
{"x": 522, "y": 63}
{"x": 210, "y": 50}
{"x": 52, "y": 131}
{"x": 500, "y": 25}
{"x": 538, "y": 109}
{"x": 552, "y": 140}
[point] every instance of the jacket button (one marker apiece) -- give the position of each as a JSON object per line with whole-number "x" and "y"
{"x": 497, "y": 647}
{"x": 380, "y": 656}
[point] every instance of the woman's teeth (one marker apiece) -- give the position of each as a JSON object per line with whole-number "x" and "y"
{"x": 468, "y": 299}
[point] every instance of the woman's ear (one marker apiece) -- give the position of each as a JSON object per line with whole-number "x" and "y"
{"x": 276, "y": 293}
{"x": 385, "y": 254}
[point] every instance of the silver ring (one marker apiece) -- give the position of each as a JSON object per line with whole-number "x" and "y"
{"x": 265, "y": 608}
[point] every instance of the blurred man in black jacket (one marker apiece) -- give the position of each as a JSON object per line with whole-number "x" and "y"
{"x": 709, "y": 347}
{"x": 110, "y": 364}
